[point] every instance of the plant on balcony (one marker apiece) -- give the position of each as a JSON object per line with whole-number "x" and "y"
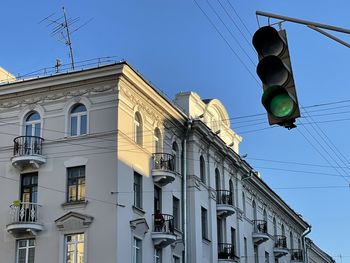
{"x": 16, "y": 203}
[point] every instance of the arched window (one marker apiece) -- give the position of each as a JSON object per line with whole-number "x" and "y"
{"x": 33, "y": 124}
{"x": 274, "y": 227}
{"x": 78, "y": 120}
{"x": 254, "y": 211}
{"x": 217, "y": 179}
{"x": 265, "y": 219}
{"x": 283, "y": 231}
{"x": 243, "y": 203}
{"x": 157, "y": 140}
{"x": 202, "y": 169}
{"x": 230, "y": 183}
{"x": 175, "y": 150}
{"x": 291, "y": 240}
{"x": 138, "y": 129}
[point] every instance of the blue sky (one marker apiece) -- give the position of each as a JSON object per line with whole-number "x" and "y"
{"x": 179, "y": 47}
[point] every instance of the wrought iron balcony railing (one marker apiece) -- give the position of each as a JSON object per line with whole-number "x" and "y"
{"x": 163, "y": 223}
{"x": 260, "y": 226}
{"x": 226, "y": 251}
{"x": 224, "y": 197}
{"x": 163, "y": 161}
{"x": 281, "y": 242}
{"x": 296, "y": 255}
{"x": 24, "y": 212}
{"x": 27, "y": 145}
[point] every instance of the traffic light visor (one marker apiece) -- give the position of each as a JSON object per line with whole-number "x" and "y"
{"x": 267, "y": 41}
{"x": 278, "y": 102}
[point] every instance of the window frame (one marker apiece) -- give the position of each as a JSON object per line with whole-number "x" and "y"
{"x": 177, "y": 214}
{"x": 137, "y": 189}
{"x": 176, "y": 153}
{"x": 137, "y": 248}
{"x": 75, "y": 243}
{"x": 78, "y": 116}
{"x": 157, "y": 138}
{"x": 204, "y": 223}
{"x": 32, "y": 124}
{"x": 26, "y": 248}
{"x": 157, "y": 255}
{"x": 202, "y": 169}
{"x": 77, "y": 185}
{"x": 138, "y": 129}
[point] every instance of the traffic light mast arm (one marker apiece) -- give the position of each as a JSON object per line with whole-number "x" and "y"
{"x": 313, "y": 25}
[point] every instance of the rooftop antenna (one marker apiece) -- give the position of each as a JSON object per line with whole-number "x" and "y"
{"x": 62, "y": 28}
{"x": 68, "y": 43}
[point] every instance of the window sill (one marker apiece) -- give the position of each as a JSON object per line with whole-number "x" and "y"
{"x": 206, "y": 240}
{"x": 74, "y": 205}
{"x": 138, "y": 210}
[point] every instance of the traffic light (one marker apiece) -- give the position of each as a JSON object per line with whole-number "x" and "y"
{"x": 274, "y": 70}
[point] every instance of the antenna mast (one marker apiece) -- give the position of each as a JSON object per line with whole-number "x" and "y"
{"x": 69, "y": 43}
{"x": 62, "y": 29}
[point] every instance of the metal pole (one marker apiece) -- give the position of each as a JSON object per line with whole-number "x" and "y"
{"x": 304, "y": 22}
{"x": 184, "y": 192}
{"x": 68, "y": 36}
{"x": 330, "y": 36}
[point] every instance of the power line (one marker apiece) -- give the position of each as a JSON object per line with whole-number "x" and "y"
{"x": 228, "y": 44}
{"x": 230, "y": 32}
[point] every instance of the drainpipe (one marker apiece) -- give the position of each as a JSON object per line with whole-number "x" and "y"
{"x": 306, "y": 259}
{"x": 184, "y": 191}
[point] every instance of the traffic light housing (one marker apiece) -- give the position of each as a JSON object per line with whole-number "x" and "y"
{"x": 275, "y": 71}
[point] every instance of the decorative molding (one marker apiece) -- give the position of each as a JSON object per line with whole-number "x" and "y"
{"x": 33, "y": 99}
{"x": 73, "y": 221}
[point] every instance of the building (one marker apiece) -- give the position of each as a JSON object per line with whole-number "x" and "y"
{"x": 315, "y": 254}
{"x": 94, "y": 164}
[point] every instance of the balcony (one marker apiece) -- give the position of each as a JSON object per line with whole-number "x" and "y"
{"x": 163, "y": 171}
{"x": 226, "y": 253}
{"x": 27, "y": 151}
{"x": 224, "y": 203}
{"x": 260, "y": 231}
{"x": 296, "y": 255}
{"x": 24, "y": 218}
{"x": 163, "y": 230}
{"x": 280, "y": 249}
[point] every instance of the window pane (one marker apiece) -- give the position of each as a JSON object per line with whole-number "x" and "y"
{"x": 81, "y": 189}
{"x": 37, "y": 129}
{"x": 80, "y": 253}
{"x": 73, "y": 125}
{"x": 78, "y": 108}
{"x": 28, "y": 130}
{"x": 31, "y": 255}
{"x": 22, "y": 256}
{"x": 34, "y": 116}
{"x": 83, "y": 124}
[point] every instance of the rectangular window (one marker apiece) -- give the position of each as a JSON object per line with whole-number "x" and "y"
{"x": 233, "y": 240}
{"x": 157, "y": 199}
{"x": 137, "y": 190}
{"x": 204, "y": 214}
{"x": 25, "y": 251}
{"x": 157, "y": 255}
{"x": 267, "y": 257}
{"x": 74, "y": 248}
{"x": 245, "y": 250}
{"x": 176, "y": 259}
{"x": 176, "y": 212}
{"x": 76, "y": 184}
{"x": 137, "y": 255}
{"x": 256, "y": 254}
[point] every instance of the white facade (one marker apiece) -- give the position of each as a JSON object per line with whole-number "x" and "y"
{"x": 98, "y": 152}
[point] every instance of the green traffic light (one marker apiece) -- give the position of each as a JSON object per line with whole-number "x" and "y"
{"x": 282, "y": 105}
{"x": 278, "y": 102}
